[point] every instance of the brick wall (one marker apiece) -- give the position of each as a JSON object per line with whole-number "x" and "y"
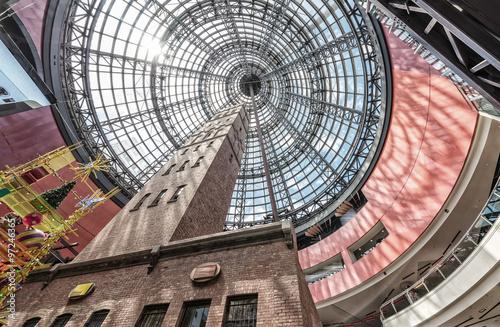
{"x": 269, "y": 270}
{"x": 202, "y": 206}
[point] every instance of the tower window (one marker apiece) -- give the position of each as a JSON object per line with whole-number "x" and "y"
{"x": 208, "y": 135}
{"x": 177, "y": 193}
{"x": 152, "y": 316}
{"x": 139, "y": 204}
{"x": 210, "y": 144}
{"x": 158, "y": 198}
{"x": 196, "y": 149}
{"x": 97, "y": 318}
{"x": 62, "y": 320}
{"x": 168, "y": 170}
{"x": 197, "y": 163}
{"x": 184, "y": 152}
{"x": 181, "y": 168}
{"x": 31, "y": 322}
{"x": 241, "y": 312}
{"x": 195, "y": 314}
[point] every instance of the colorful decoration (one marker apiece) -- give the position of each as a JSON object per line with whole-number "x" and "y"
{"x": 32, "y": 239}
{"x": 55, "y": 196}
{"x": 19, "y": 199}
{"x": 99, "y": 164}
{"x": 90, "y": 201}
{"x": 32, "y": 219}
{"x": 4, "y": 191}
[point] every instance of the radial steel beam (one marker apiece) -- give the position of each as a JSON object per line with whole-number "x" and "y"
{"x": 304, "y": 145}
{"x": 340, "y": 44}
{"x": 227, "y": 14}
{"x": 280, "y": 182}
{"x": 465, "y": 28}
{"x": 264, "y": 159}
{"x": 328, "y": 108}
{"x": 273, "y": 24}
{"x": 462, "y": 44}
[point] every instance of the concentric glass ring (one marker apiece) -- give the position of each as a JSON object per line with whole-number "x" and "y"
{"x": 141, "y": 76}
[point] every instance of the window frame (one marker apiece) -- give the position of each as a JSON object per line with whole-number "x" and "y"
{"x": 181, "y": 168}
{"x": 94, "y": 315}
{"x": 240, "y": 322}
{"x": 140, "y": 322}
{"x": 187, "y": 305}
{"x": 168, "y": 170}
{"x": 158, "y": 198}
{"x": 29, "y": 322}
{"x": 140, "y": 203}
{"x": 60, "y": 320}
{"x": 198, "y": 162}
{"x": 177, "y": 193}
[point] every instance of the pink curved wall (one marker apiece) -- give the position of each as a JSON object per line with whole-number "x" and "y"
{"x": 429, "y": 136}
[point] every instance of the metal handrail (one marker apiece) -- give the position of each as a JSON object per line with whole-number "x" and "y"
{"x": 408, "y": 294}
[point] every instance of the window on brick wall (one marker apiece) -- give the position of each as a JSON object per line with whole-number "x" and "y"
{"x": 168, "y": 170}
{"x": 241, "y": 311}
{"x": 158, "y": 198}
{"x": 62, "y": 320}
{"x": 195, "y": 314}
{"x": 31, "y": 322}
{"x": 152, "y": 316}
{"x": 177, "y": 193}
{"x": 138, "y": 205}
{"x": 198, "y": 162}
{"x": 181, "y": 168}
{"x": 97, "y": 318}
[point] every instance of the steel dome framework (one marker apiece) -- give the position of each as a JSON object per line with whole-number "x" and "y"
{"x": 139, "y": 77}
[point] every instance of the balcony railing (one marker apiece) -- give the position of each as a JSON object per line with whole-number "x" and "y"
{"x": 442, "y": 269}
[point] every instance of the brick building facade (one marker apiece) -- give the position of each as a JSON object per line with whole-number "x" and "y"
{"x": 144, "y": 258}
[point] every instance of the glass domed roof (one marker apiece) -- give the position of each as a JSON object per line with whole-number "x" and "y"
{"x": 139, "y": 77}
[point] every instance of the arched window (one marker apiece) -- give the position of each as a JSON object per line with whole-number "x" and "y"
{"x": 62, "y": 320}
{"x": 32, "y": 322}
{"x": 97, "y": 318}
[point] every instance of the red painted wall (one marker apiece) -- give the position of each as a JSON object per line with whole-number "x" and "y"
{"x": 430, "y": 133}
{"x": 27, "y": 133}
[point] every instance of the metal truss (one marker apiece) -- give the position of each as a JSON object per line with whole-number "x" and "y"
{"x": 319, "y": 105}
{"x": 448, "y": 30}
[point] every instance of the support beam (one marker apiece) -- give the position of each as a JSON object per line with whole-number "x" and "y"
{"x": 264, "y": 159}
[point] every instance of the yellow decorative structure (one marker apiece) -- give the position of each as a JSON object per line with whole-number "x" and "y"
{"x": 16, "y": 260}
{"x": 99, "y": 164}
{"x": 81, "y": 291}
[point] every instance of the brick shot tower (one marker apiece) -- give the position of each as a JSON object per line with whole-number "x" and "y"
{"x": 163, "y": 260}
{"x": 188, "y": 197}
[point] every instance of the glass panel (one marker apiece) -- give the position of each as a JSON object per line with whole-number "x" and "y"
{"x": 151, "y": 87}
{"x": 388, "y": 310}
{"x": 195, "y": 315}
{"x": 153, "y": 316}
{"x": 97, "y": 318}
{"x": 62, "y": 320}
{"x": 401, "y": 303}
{"x": 449, "y": 266}
{"x": 242, "y": 312}
{"x": 433, "y": 280}
{"x": 31, "y": 322}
